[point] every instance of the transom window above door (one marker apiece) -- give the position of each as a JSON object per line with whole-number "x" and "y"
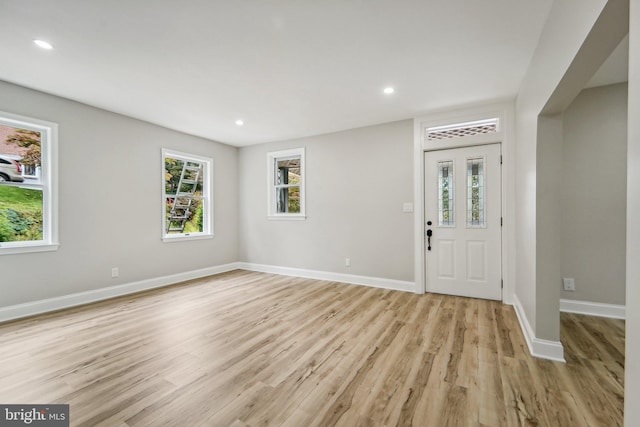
{"x": 458, "y": 130}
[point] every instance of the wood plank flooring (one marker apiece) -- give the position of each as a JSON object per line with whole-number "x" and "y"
{"x": 253, "y": 349}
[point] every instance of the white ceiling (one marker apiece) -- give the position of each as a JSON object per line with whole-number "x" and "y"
{"x": 287, "y": 68}
{"x": 615, "y": 69}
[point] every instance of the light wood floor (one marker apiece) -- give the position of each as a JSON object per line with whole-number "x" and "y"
{"x": 254, "y": 349}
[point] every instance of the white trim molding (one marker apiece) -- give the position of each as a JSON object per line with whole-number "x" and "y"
{"x": 504, "y": 110}
{"x": 588, "y": 308}
{"x": 374, "y": 282}
{"x": 544, "y": 349}
{"x": 66, "y": 301}
{"x": 33, "y": 308}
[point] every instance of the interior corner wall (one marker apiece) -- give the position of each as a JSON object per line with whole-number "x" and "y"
{"x": 632, "y": 356}
{"x": 110, "y": 203}
{"x": 594, "y": 195}
{"x": 357, "y": 182}
{"x": 549, "y": 224}
{"x": 567, "y": 26}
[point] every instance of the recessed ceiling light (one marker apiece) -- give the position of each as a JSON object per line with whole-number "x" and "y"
{"x": 389, "y": 90}
{"x": 43, "y": 44}
{"x": 239, "y": 122}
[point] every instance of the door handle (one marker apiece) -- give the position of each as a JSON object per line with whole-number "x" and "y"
{"x": 429, "y": 234}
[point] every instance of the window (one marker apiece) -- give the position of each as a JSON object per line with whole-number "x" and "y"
{"x": 187, "y": 188}
{"x": 286, "y": 184}
{"x": 28, "y": 184}
{"x": 446, "y": 217}
{"x": 458, "y": 130}
{"x": 475, "y": 192}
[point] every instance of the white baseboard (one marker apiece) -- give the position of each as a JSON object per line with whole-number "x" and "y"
{"x": 52, "y": 304}
{"x": 375, "y": 282}
{"x": 544, "y": 349}
{"x": 80, "y": 298}
{"x": 593, "y": 308}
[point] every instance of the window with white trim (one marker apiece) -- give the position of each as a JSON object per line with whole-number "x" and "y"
{"x": 459, "y": 130}
{"x": 286, "y": 170}
{"x": 28, "y": 185}
{"x": 187, "y": 196}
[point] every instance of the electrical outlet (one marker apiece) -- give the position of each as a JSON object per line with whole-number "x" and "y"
{"x": 569, "y": 283}
{"x": 115, "y": 272}
{"x": 347, "y": 262}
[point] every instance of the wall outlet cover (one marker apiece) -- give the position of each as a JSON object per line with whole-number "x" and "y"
{"x": 569, "y": 283}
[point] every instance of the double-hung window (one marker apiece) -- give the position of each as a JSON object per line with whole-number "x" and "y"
{"x": 28, "y": 185}
{"x": 187, "y": 196}
{"x": 286, "y": 177}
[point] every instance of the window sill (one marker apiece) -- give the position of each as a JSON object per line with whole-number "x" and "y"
{"x": 9, "y": 249}
{"x": 293, "y": 217}
{"x": 186, "y": 237}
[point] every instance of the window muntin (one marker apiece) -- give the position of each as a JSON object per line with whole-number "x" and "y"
{"x": 475, "y": 192}
{"x": 286, "y": 184}
{"x": 28, "y": 183}
{"x": 187, "y": 200}
{"x": 446, "y": 212}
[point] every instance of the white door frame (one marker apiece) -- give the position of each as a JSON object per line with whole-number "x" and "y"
{"x": 505, "y": 135}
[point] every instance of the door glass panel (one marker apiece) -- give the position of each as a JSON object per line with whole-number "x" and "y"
{"x": 475, "y": 192}
{"x": 445, "y": 194}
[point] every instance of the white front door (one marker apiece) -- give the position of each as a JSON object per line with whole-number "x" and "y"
{"x": 463, "y": 218}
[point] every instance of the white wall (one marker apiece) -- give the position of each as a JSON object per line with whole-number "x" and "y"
{"x": 548, "y": 226}
{"x": 110, "y": 203}
{"x": 357, "y": 181}
{"x": 632, "y": 362}
{"x": 576, "y": 39}
{"x": 594, "y": 194}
